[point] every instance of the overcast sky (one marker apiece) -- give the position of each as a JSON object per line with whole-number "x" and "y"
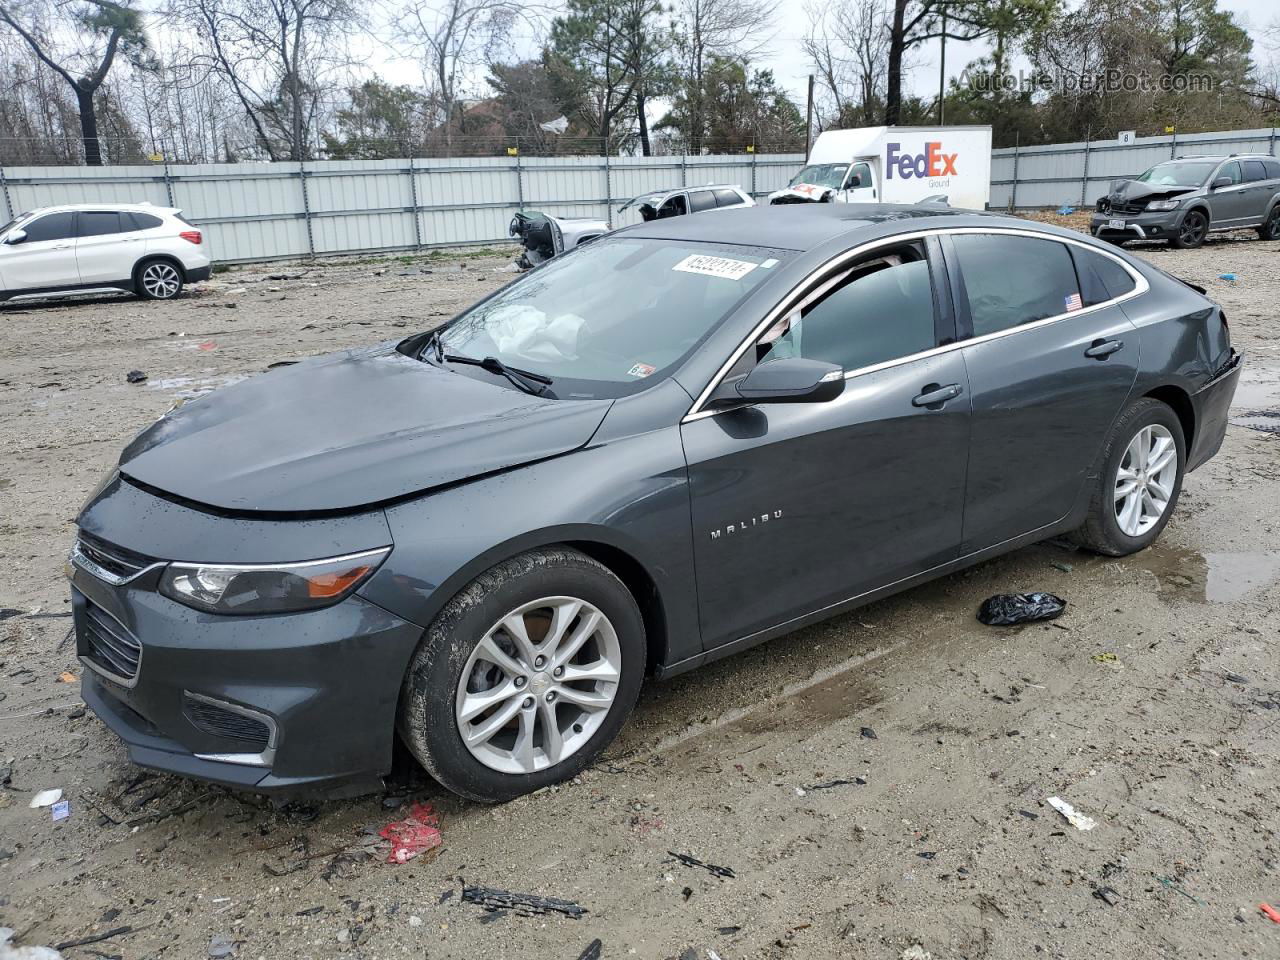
{"x": 790, "y": 66}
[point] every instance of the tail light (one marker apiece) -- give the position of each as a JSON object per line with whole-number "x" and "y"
{"x": 192, "y": 236}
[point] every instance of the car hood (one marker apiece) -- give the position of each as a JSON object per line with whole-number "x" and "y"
{"x": 801, "y": 193}
{"x": 1136, "y": 190}
{"x": 348, "y": 430}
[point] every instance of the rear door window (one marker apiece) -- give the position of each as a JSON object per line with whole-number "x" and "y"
{"x": 1011, "y": 280}
{"x": 1254, "y": 170}
{"x": 53, "y": 226}
{"x": 727, "y": 198}
{"x": 700, "y": 200}
{"x": 98, "y": 223}
{"x": 880, "y": 310}
{"x": 1101, "y": 278}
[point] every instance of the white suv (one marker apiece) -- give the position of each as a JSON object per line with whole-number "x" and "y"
{"x": 150, "y": 251}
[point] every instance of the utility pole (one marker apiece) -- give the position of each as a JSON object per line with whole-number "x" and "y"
{"x": 808, "y": 122}
{"x": 942, "y": 70}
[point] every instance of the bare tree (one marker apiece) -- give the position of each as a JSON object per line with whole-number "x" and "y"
{"x": 454, "y": 40}
{"x": 81, "y": 48}
{"x": 848, "y": 45}
{"x": 275, "y": 56}
{"x": 707, "y": 29}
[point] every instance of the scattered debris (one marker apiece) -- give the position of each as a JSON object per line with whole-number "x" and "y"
{"x": 414, "y": 835}
{"x": 1107, "y": 659}
{"x": 523, "y": 904}
{"x": 1006, "y": 609}
{"x": 207, "y": 345}
{"x": 61, "y": 810}
{"x": 1235, "y": 678}
{"x": 135, "y": 376}
{"x": 1107, "y": 895}
{"x": 869, "y": 734}
{"x": 9, "y": 952}
{"x": 1229, "y": 277}
{"x": 1072, "y": 815}
{"x": 1176, "y": 887}
{"x": 691, "y": 861}
{"x": 594, "y": 949}
{"x": 1271, "y": 912}
{"x": 7, "y": 612}
{"x": 832, "y": 784}
{"x": 916, "y": 952}
{"x": 727, "y": 931}
{"x": 1029, "y": 815}
{"x": 66, "y": 676}
{"x": 96, "y": 938}
{"x": 1064, "y": 567}
{"x": 1066, "y": 210}
{"x": 221, "y": 945}
{"x": 45, "y": 798}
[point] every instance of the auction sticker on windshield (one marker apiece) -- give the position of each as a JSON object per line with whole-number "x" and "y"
{"x": 715, "y": 266}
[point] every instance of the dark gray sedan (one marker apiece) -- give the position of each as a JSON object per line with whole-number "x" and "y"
{"x": 671, "y": 444}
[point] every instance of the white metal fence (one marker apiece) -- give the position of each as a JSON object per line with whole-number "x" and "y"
{"x": 264, "y": 211}
{"x": 1076, "y": 174}
{"x": 267, "y": 211}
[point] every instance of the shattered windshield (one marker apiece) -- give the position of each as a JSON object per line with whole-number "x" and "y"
{"x": 821, "y": 175}
{"x": 1178, "y": 173}
{"x": 605, "y": 318}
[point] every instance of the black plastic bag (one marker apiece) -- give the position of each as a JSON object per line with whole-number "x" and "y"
{"x": 1008, "y": 608}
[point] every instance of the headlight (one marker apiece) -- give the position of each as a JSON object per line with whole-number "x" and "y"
{"x": 1163, "y": 204}
{"x": 269, "y": 587}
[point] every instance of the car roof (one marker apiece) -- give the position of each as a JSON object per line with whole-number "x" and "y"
{"x": 805, "y": 226}
{"x": 693, "y": 186}
{"x": 91, "y": 207}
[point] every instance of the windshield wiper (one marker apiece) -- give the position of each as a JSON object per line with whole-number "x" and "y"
{"x": 434, "y": 344}
{"x": 534, "y": 383}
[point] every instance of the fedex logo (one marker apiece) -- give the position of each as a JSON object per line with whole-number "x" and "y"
{"x": 932, "y": 163}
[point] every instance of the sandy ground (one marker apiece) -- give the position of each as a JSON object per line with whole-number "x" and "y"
{"x": 1152, "y": 705}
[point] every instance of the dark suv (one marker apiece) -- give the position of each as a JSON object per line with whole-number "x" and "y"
{"x": 1183, "y": 200}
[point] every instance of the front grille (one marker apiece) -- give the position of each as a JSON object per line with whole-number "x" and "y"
{"x": 108, "y": 644}
{"x": 116, "y": 561}
{"x": 1109, "y": 205}
{"x": 221, "y": 722}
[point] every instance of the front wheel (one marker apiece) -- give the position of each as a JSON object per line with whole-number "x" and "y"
{"x": 1191, "y": 232}
{"x": 158, "y": 280}
{"x": 1137, "y": 488}
{"x": 525, "y": 676}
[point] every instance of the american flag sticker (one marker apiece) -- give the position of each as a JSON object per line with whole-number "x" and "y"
{"x": 1073, "y": 303}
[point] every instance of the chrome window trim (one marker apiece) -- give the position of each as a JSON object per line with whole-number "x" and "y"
{"x": 263, "y": 759}
{"x": 106, "y": 576}
{"x": 797, "y": 295}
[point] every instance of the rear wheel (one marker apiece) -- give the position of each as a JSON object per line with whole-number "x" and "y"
{"x": 1191, "y": 232}
{"x": 1137, "y": 488}
{"x": 1270, "y": 229}
{"x": 158, "y": 280}
{"x": 525, "y": 676}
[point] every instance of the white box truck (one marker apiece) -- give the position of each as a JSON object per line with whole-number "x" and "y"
{"x": 950, "y": 165}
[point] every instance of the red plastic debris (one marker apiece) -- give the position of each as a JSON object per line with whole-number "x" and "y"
{"x": 1270, "y": 911}
{"x": 208, "y": 345}
{"x": 415, "y": 834}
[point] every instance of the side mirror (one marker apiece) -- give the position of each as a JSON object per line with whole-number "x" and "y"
{"x": 16, "y": 236}
{"x": 789, "y": 380}
{"x": 1221, "y": 182}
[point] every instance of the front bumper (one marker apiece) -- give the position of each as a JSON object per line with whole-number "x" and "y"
{"x": 321, "y": 687}
{"x": 1212, "y": 406}
{"x": 1162, "y": 225}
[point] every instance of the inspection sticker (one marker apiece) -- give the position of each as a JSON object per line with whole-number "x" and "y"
{"x": 642, "y": 370}
{"x": 715, "y": 266}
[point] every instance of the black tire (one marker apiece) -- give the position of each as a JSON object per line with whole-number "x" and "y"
{"x": 158, "y": 279}
{"x": 1101, "y": 530}
{"x": 427, "y": 719}
{"x": 1270, "y": 229}
{"x": 1191, "y": 231}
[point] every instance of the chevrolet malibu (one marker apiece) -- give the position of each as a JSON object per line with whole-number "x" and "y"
{"x": 666, "y": 446}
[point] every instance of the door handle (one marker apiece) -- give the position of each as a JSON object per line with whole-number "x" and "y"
{"x": 1102, "y": 349}
{"x": 935, "y": 396}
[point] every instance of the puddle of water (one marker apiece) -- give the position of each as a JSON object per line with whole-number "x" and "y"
{"x": 1256, "y": 404}
{"x": 1219, "y": 577}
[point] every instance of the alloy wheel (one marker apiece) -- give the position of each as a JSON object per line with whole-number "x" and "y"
{"x": 1273, "y": 224}
{"x": 1145, "y": 480}
{"x": 1192, "y": 230}
{"x": 538, "y": 685}
{"x": 161, "y": 281}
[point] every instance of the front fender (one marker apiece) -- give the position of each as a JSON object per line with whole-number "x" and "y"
{"x": 629, "y": 494}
